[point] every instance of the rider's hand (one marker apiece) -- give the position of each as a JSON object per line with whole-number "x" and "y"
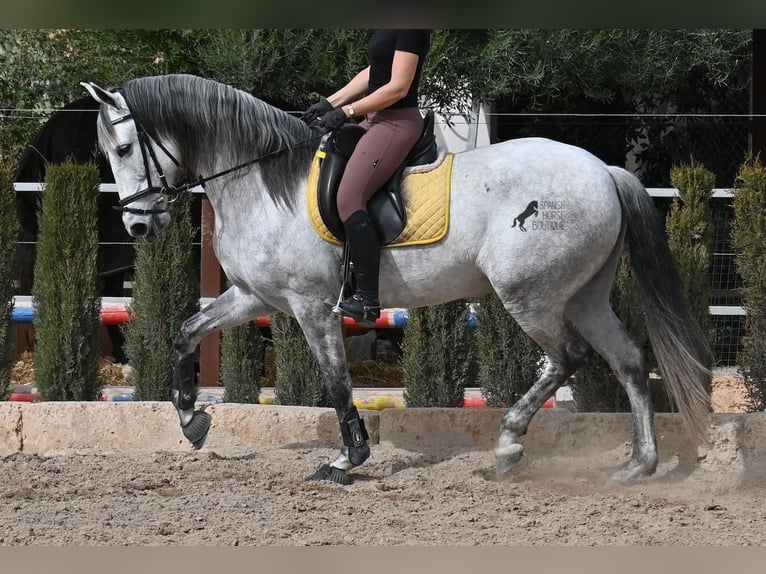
{"x": 332, "y": 120}
{"x": 318, "y": 109}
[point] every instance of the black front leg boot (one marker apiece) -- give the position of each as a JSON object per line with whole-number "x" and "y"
{"x": 355, "y": 450}
{"x": 194, "y": 424}
{"x": 355, "y": 437}
{"x": 184, "y": 384}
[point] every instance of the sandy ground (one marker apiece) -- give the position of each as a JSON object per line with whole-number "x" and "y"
{"x": 399, "y": 497}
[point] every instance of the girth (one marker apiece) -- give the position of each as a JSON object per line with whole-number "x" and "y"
{"x": 386, "y": 207}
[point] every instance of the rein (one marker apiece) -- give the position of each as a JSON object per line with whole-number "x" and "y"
{"x": 169, "y": 193}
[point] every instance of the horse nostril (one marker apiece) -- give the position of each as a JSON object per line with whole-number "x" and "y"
{"x": 138, "y": 229}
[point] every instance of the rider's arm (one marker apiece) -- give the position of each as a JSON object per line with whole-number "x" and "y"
{"x": 403, "y": 70}
{"x": 354, "y": 89}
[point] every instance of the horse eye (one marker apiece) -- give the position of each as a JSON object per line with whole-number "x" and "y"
{"x": 123, "y": 150}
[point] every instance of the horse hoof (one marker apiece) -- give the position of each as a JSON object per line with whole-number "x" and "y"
{"x": 629, "y": 473}
{"x": 332, "y": 474}
{"x": 507, "y": 458}
{"x": 197, "y": 429}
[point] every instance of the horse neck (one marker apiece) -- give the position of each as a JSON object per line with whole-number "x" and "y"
{"x": 242, "y": 198}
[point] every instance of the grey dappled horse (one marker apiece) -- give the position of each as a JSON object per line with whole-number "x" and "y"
{"x": 554, "y": 279}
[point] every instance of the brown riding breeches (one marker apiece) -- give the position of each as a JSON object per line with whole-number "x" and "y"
{"x": 390, "y": 136}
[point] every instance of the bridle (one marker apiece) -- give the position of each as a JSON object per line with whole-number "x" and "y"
{"x": 169, "y": 193}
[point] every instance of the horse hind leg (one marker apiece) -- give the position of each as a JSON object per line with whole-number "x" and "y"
{"x": 566, "y": 351}
{"x": 609, "y": 337}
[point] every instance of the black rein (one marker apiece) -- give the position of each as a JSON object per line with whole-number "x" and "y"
{"x": 170, "y": 193}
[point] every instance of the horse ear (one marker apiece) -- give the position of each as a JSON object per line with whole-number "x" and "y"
{"x": 101, "y": 95}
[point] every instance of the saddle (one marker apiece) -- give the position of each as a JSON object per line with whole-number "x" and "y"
{"x": 386, "y": 207}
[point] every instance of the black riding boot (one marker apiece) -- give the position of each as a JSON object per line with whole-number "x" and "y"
{"x": 364, "y": 245}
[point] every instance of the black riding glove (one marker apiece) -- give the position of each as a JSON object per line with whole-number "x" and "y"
{"x": 318, "y": 109}
{"x": 332, "y": 120}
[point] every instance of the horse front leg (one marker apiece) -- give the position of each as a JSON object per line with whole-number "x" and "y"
{"x": 233, "y": 307}
{"x": 325, "y": 338}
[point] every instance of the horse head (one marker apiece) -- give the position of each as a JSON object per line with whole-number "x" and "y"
{"x": 144, "y": 168}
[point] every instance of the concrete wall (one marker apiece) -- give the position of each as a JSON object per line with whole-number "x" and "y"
{"x": 736, "y": 440}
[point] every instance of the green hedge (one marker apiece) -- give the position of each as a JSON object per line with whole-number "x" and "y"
{"x": 242, "y": 363}
{"x": 8, "y": 232}
{"x": 437, "y": 352}
{"x": 749, "y": 240}
{"x": 509, "y": 360}
{"x": 298, "y": 379}
{"x": 690, "y": 236}
{"x": 66, "y": 287}
{"x": 165, "y": 294}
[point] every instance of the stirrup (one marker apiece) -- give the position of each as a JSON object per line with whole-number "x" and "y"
{"x": 364, "y": 311}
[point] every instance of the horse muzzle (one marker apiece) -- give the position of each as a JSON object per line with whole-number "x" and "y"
{"x": 147, "y": 228}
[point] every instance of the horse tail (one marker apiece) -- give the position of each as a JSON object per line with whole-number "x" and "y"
{"x": 679, "y": 344}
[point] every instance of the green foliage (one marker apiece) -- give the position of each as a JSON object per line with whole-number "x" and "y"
{"x": 749, "y": 240}
{"x": 66, "y": 287}
{"x": 242, "y": 363}
{"x": 165, "y": 294}
{"x": 522, "y": 71}
{"x": 690, "y": 236}
{"x": 437, "y": 352}
{"x": 283, "y": 65}
{"x": 509, "y": 360}
{"x": 298, "y": 379}
{"x": 42, "y": 69}
{"x": 8, "y": 232}
{"x": 637, "y": 72}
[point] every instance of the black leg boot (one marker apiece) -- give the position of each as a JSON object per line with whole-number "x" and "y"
{"x": 364, "y": 245}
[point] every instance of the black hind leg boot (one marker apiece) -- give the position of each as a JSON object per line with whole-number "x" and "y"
{"x": 364, "y": 245}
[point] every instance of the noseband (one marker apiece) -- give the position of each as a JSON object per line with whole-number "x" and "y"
{"x": 169, "y": 193}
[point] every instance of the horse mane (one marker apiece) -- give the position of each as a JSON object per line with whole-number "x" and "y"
{"x": 201, "y": 115}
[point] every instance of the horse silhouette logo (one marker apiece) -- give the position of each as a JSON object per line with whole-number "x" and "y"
{"x": 531, "y": 209}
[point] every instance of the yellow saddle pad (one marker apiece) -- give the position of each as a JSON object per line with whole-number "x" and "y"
{"x": 426, "y": 198}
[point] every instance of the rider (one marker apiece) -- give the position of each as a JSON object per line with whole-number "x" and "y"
{"x": 386, "y": 93}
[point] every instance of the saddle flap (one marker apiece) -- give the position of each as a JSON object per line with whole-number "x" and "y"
{"x": 386, "y": 207}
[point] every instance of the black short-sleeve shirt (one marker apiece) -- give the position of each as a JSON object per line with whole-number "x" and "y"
{"x": 380, "y": 51}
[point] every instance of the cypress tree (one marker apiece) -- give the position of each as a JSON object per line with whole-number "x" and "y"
{"x": 165, "y": 294}
{"x": 749, "y": 240}
{"x": 242, "y": 363}
{"x": 690, "y": 235}
{"x": 509, "y": 360}
{"x": 437, "y": 352}
{"x": 66, "y": 286}
{"x": 298, "y": 379}
{"x": 8, "y": 232}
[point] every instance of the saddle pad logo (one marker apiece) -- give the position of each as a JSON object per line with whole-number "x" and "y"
{"x": 547, "y": 216}
{"x": 426, "y": 199}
